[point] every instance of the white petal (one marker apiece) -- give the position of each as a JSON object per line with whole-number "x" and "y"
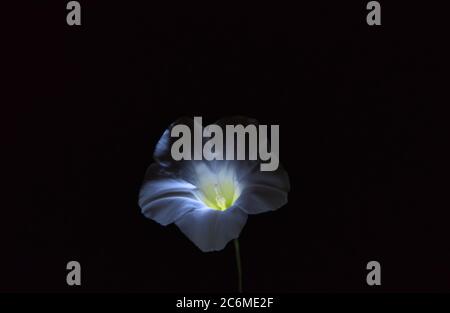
{"x": 165, "y": 199}
{"x": 263, "y": 191}
{"x": 211, "y": 230}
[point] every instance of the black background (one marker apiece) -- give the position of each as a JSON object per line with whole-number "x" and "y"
{"x": 360, "y": 140}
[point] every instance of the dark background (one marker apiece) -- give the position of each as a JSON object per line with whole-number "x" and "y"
{"x": 360, "y": 140}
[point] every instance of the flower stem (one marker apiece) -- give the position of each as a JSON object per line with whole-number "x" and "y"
{"x": 238, "y": 262}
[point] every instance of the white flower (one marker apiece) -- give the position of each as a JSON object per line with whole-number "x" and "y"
{"x": 209, "y": 200}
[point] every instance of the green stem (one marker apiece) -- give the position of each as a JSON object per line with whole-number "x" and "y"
{"x": 238, "y": 262}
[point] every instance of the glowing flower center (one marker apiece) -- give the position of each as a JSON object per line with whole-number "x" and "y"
{"x": 217, "y": 191}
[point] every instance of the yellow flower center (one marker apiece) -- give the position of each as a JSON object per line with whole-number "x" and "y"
{"x": 217, "y": 191}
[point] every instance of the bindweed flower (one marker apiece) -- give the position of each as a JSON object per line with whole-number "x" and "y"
{"x": 209, "y": 200}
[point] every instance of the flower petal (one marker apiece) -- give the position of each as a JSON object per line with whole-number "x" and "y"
{"x": 164, "y": 198}
{"x": 263, "y": 191}
{"x": 162, "y": 153}
{"x": 211, "y": 230}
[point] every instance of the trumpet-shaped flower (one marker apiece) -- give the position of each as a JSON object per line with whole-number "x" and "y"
{"x": 209, "y": 200}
